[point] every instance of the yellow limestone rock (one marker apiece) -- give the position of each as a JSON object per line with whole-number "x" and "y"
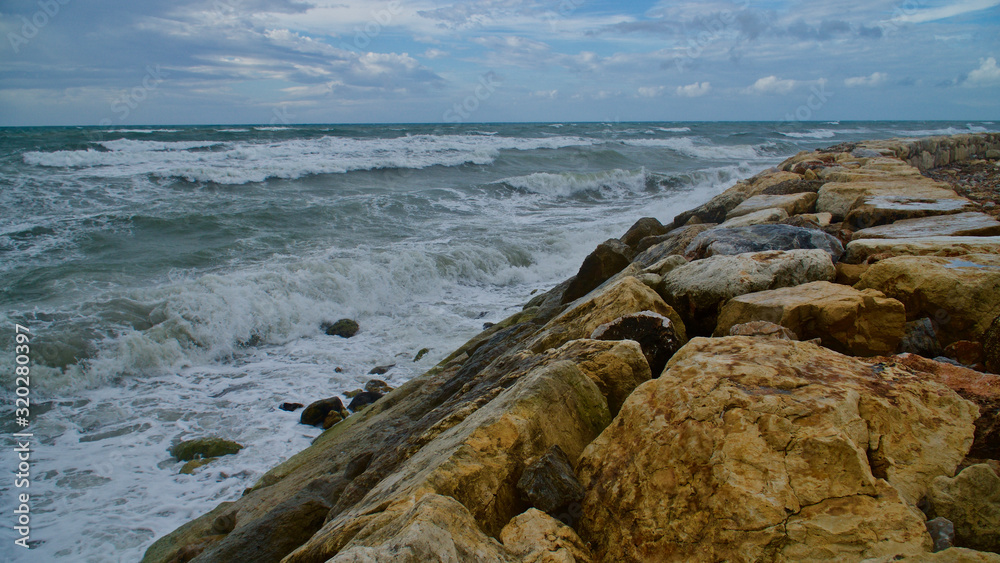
{"x": 859, "y": 251}
{"x": 751, "y": 449}
{"x": 838, "y": 198}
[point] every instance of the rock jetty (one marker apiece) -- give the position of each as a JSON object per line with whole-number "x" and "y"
{"x": 788, "y": 415}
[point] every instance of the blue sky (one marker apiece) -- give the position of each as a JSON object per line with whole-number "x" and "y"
{"x": 115, "y": 62}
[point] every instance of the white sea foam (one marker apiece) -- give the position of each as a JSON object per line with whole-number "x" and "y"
{"x": 609, "y": 183}
{"x": 145, "y": 131}
{"x": 697, "y": 148}
{"x": 970, "y": 128}
{"x": 814, "y": 134}
{"x": 256, "y": 161}
{"x": 674, "y": 129}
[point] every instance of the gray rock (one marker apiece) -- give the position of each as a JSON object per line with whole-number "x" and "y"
{"x": 942, "y": 532}
{"x": 654, "y": 333}
{"x": 550, "y": 484}
{"x": 758, "y": 238}
{"x": 362, "y": 400}
{"x": 609, "y": 258}
{"x": 921, "y": 339}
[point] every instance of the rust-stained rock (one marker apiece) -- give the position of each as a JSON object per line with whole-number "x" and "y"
{"x": 859, "y": 323}
{"x": 762, "y": 449}
{"x": 961, "y": 295}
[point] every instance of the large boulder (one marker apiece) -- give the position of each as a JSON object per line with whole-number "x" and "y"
{"x": 839, "y": 197}
{"x": 645, "y": 227}
{"x": 874, "y": 210}
{"x": 859, "y": 323}
{"x": 759, "y": 238}
{"x": 609, "y": 258}
{"x": 961, "y": 295}
{"x": 762, "y": 217}
{"x": 654, "y": 333}
{"x": 792, "y": 204}
{"x": 864, "y": 250}
{"x": 536, "y": 537}
{"x": 751, "y": 449}
{"x": 971, "y": 500}
{"x": 698, "y": 290}
{"x": 654, "y": 249}
{"x": 959, "y": 224}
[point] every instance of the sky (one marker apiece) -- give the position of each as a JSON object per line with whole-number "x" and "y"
{"x": 117, "y": 62}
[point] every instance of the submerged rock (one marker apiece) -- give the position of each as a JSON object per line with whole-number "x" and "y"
{"x": 344, "y": 328}
{"x": 204, "y": 448}
{"x": 362, "y": 400}
{"x": 316, "y": 413}
{"x": 760, "y": 238}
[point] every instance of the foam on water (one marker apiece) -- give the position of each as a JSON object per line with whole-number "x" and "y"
{"x": 701, "y": 148}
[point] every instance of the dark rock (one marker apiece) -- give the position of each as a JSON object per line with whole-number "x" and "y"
{"x": 487, "y": 326}
{"x": 361, "y": 400}
{"x": 942, "y": 531}
{"x": 609, "y": 258}
{"x": 357, "y": 465}
{"x": 291, "y": 407}
{"x": 278, "y": 532}
{"x": 715, "y": 210}
{"x": 203, "y": 448}
{"x": 654, "y": 333}
{"x": 645, "y": 227}
{"x": 550, "y": 485}
{"x": 378, "y": 386}
{"x": 332, "y": 418}
{"x": 789, "y": 187}
{"x": 345, "y": 328}
{"x": 353, "y": 393}
{"x": 423, "y": 352}
{"x": 379, "y": 370}
{"x": 653, "y": 249}
{"x": 965, "y": 352}
{"x": 316, "y": 412}
{"x": 991, "y": 346}
{"x": 338, "y": 370}
{"x": 921, "y": 339}
{"x": 759, "y": 238}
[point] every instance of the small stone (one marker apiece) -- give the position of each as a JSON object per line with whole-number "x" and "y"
{"x": 423, "y": 352}
{"x": 379, "y": 370}
{"x": 338, "y": 370}
{"x": 942, "y": 531}
{"x": 344, "y": 328}
{"x": 291, "y": 407}
{"x": 378, "y": 386}
{"x": 204, "y": 448}
{"x": 550, "y": 484}
{"x": 315, "y": 414}
{"x": 362, "y": 400}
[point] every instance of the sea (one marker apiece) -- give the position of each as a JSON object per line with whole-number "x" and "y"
{"x": 174, "y": 280}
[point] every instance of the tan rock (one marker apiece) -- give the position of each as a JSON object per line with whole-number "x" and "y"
{"x": 873, "y": 210}
{"x": 950, "y": 555}
{"x": 850, "y": 274}
{"x": 764, "y": 329}
{"x": 769, "y": 179}
{"x": 699, "y": 289}
{"x": 958, "y": 224}
{"x": 762, "y": 449}
{"x": 625, "y": 297}
{"x": 862, "y": 250}
{"x": 536, "y": 537}
{"x": 792, "y": 204}
{"x": 859, "y": 323}
{"x": 821, "y": 219}
{"x": 838, "y": 197}
{"x": 971, "y": 500}
{"x": 961, "y": 295}
{"x": 762, "y": 217}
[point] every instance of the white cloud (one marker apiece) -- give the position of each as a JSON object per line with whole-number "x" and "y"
{"x": 547, "y": 94}
{"x": 652, "y": 91}
{"x": 694, "y": 90}
{"x": 944, "y": 12}
{"x": 772, "y": 85}
{"x": 435, "y": 54}
{"x": 987, "y": 73}
{"x": 875, "y": 79}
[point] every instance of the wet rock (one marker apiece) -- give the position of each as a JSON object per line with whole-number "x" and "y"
{"x": 610, "y": 257}
{"x": 189, "y": 467}
{"x": 961, "y": 295}
{"x": 332, "y": 418}
{"x": 762, "y": 329}
{"x": 535, "y": 537}
{"x": 971, "y": 500}
{"x": 965, "y": 352}
{"x": 920, "y": 338}
{"x": 698, "y": 290}
{"x": 353, "y": 393}
{"x": 762, "y": 217}
{"x": 863, "y": 250}
{"x": 760, "y": 238}
{"x": 423, "y": 352}
{"x": 362, "y": 400}
{"x": 942, "y": 533}
{"x": 378, "y": 386}
{"x": 654, "y": 333}
{"x": 204, "y": 448}
{"x": 871, "y": 211}
{"x": 344, "y": 328}
{"x": 654, "y": 249}
{"x": 715, "y": 210}
{"x": 849, "y": 321}
{"x": 291, "y": 407}
{"x": 551, "y": 486}
{"x": 381, "y": 370}
{"x": 751, "y": 449}
{"x": 991, "y": 346}
{"x": 955, "y": 225}
{"x": 792, "y": 204}
{"x": 316, "y": 412}
{"x": 645, "y": 227}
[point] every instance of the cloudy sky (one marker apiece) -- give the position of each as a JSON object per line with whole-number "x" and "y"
{"x": 89, "y": 62}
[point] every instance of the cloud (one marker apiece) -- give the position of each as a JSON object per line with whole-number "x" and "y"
{"x": 435, "y": 54}
{"x": 694, "y": 90}
{"x": 944, "y": 12}
{"x": 652, "y": 91}
{"x": 875, "y": 79}
{"x": 771, "y": 85}
{"x": 987, "y": 74}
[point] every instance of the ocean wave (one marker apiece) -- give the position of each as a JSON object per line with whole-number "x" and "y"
{"x": 674, "y": 129}
{"x": 970, "y": 128}
{"x": 813, "y": 134}
{"x": 610, "y": 183}
{"x": 145, "y": 131}
{"x": 256, "y": 161}
{"x": 696, "y": 148}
